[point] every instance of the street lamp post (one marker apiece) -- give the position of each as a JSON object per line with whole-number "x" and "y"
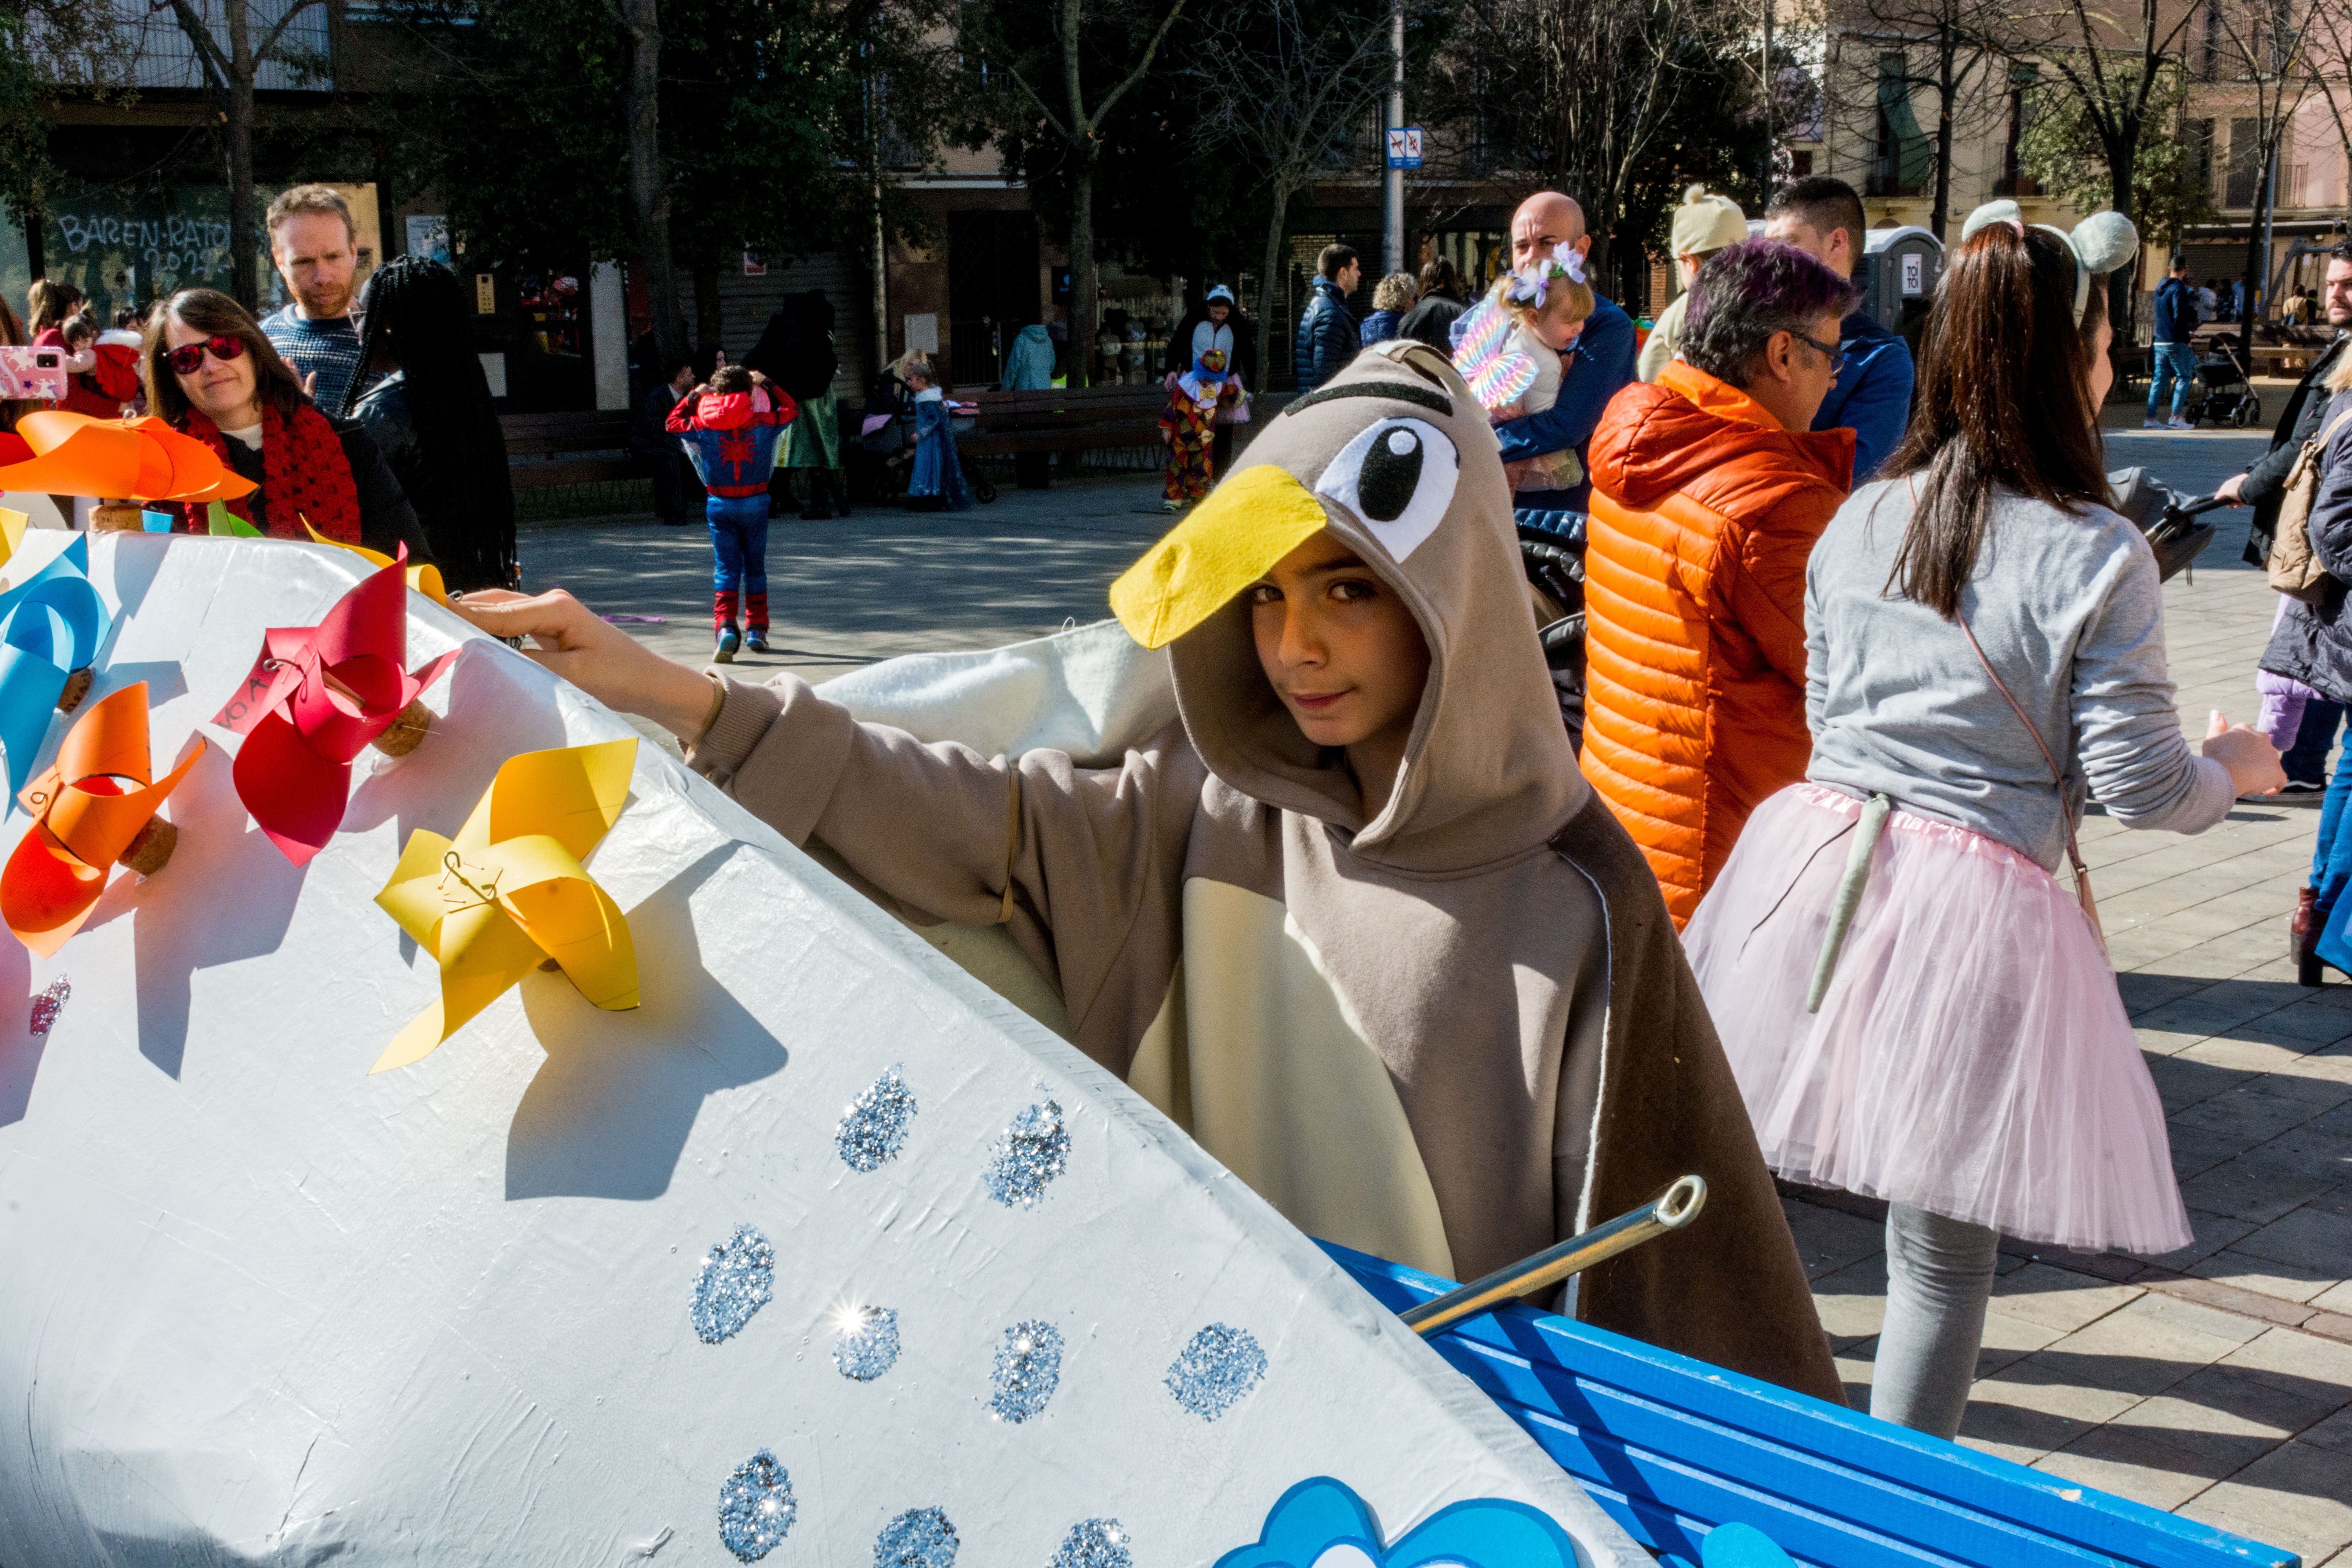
{"x": 1393, "y": 178}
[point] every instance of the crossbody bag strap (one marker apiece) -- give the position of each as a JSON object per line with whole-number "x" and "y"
{"x": 2073, "y": 850}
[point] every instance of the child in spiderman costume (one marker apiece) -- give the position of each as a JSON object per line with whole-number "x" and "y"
{"x": 732, "y": 428}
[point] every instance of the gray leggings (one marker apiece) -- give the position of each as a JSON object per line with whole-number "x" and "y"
{"x": 1938, "y": 1277}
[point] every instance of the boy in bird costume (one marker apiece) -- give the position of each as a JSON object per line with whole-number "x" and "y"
{"x": 1353, "y": 920}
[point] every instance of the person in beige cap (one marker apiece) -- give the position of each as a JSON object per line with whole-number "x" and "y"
{"x": 1704, "y": 225}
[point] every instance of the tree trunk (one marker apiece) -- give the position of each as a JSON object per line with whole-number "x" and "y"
{"x": 1940, "y": 214}
{"x": 648, "y": 195}
{"x": 2257, "y": 269}
{"x": 708, "y": 325}
{"x": 1082, "y": 271}
{"x": 1273, "y": 226}
{"x": 245, "y": 275}
{"x": 2123, "y": 296}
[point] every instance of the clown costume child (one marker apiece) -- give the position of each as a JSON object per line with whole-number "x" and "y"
{"x": 1189, "y": 427}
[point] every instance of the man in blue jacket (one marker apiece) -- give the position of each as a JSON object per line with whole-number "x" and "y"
{"x": 1822, "y": 217}
{"x": 1327, "y": 336}
{"x": 2173, "y": 356}
{"x": 1597, "y": 368}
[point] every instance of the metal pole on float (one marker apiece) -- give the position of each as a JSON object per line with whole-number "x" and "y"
{"x": 1670, "y": 1210}
{"x": 1393, "y": 178}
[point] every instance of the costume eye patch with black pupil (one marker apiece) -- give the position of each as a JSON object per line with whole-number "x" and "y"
{"x": 1392, "y": 472}
{"x": 1398, "y": 476}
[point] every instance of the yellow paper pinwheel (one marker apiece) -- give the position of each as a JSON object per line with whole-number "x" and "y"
{"x": 509, "y": 892}
{"x": 424, "y": 579}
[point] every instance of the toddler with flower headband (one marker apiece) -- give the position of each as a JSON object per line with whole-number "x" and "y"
{"x": 1547, "y": 301}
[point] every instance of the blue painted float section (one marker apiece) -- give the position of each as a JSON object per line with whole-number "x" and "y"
{"x": 1673, "y": 1448}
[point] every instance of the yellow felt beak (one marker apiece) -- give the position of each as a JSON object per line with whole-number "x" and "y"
{"x": 1248, "y": 523}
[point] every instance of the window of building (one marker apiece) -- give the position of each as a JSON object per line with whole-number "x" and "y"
{"x": 1901, "y": 159}
{"x": 2245, "y": 165}
{"x": 2014, "y": 181}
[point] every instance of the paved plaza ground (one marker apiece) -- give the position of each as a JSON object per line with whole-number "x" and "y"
{"x": 2216, "y": 1381}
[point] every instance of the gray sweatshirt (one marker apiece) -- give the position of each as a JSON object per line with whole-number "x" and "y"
{"x": 2070, "y": 611}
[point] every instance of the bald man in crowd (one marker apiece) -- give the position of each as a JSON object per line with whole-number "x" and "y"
{"x": 1596, "y": 369}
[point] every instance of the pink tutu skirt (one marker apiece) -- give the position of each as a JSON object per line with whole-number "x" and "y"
{"x": 1972, "y": 1057}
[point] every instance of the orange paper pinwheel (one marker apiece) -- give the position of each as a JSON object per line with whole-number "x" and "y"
{"x": 94, "y": 808}
{"x": 137, "y": 459}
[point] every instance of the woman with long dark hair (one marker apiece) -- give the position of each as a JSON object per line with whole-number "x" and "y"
{"x": 1916, "y": 1008}
{"x": 431, "y": 418}
{"x": 211, "y": 374}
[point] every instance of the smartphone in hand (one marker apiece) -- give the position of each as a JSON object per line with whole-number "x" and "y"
{"x": 31, "y": 372}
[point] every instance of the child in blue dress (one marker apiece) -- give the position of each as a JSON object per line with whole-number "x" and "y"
{"x": 732, "y": 426}
{"x": 937, "y": 482}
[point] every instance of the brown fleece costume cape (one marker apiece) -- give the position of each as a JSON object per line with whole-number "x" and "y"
{"x": 1450, "y": 1036}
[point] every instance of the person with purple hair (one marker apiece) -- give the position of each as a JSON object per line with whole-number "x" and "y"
{"x": 1709, "y": 487}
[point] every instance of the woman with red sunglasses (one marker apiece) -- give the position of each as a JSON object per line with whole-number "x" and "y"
{"x": 212, "y": 373}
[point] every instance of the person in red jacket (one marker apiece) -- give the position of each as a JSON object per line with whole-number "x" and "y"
{"x": 1709, "y": 489}
{"x": 732, "y": 428}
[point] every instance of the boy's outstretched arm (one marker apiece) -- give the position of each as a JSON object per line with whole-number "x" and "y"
{"x": 1066, "y": 856}
{"x": 574, "y": 642}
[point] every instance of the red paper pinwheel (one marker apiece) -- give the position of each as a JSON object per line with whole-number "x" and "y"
{"x": 315, "y": 698}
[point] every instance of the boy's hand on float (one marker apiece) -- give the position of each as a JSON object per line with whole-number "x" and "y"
{"x": 2252, "y": 761}
{"x": 574, "y": 642}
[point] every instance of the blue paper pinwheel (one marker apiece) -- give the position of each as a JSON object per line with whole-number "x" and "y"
{"x": 1318, "y": 1515}
{"x": 50, "y": 625}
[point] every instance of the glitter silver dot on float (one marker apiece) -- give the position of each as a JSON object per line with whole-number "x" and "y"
{"x": 922, "y": 1539}
{"x": 1217, "y": 1369}
{"x": 874, "y": 1126}
{"x": 1033, "y": 1151}
{"x": 1095, "y": 1543}
{"x": 737, "y": 1279}
{"x": 756, "y": 1507}
{"x": 1028, "y": 1369}
{"x": 869, "y": 1342}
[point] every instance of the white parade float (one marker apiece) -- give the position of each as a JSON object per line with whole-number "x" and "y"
{"x": 820, "y": 1253}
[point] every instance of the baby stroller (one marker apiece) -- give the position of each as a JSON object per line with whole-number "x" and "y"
{"x": 2224, "y": 392}
{"x": 2170, "y": 521}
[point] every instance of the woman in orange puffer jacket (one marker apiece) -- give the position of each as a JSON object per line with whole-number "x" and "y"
{"x": 1709, "y": 489}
